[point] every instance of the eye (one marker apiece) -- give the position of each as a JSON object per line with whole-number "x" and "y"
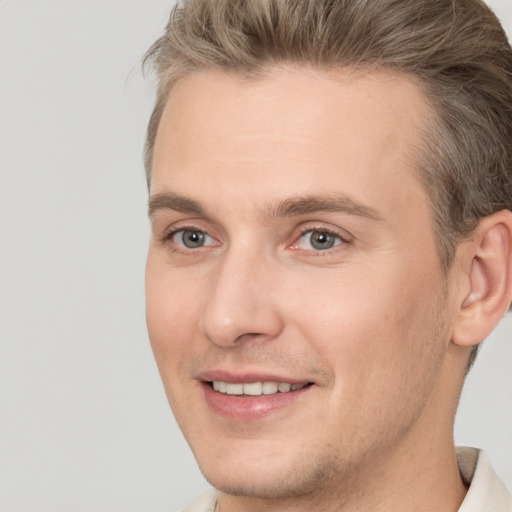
{"x": 318, "y": 240}
{"x": 192, "y": 238}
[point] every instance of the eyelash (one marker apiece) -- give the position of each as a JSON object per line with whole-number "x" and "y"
{"x": 166, "y": 239}
{"x": 322, "y": 229}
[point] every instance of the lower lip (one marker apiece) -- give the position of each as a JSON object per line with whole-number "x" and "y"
{"x": 249, "y": 408}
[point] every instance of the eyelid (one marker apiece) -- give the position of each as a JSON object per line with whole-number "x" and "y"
{"x": 341, "y": 234}
{"x": 166, "y": 226}
{"x": 170, "y": 232}
{"x": 208, "y": 239}
{"x": 165, "y": 238}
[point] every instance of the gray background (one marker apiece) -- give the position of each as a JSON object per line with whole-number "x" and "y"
{"x": 84, "y": 424}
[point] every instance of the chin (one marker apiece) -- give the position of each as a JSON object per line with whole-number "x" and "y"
{"x": 269, "y": 477}
{"x": 262, "y": 486}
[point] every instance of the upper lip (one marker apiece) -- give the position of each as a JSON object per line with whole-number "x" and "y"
{"x": 247, "y": 377}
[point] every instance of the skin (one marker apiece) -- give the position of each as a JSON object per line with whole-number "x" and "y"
{"x": 368, "y": 322}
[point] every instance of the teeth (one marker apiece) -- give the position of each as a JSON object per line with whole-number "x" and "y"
{"x": 269, "y": 388}
{"x": 255, "y": 388}
{"x": 220, "y": 386}
{"x": 235, "y": 389}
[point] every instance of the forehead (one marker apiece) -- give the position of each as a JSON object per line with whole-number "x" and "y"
{"x": 293, "y": 130}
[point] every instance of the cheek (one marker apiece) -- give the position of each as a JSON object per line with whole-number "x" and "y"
{"x": 370, "y": 326}
{"x": 171, "y": 318}
{"x": 171, "y": 313}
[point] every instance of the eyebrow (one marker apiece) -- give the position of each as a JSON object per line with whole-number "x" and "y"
{"x": 170, "y": 201}
{"x": 291, "y": 207}
{"x": 304, "y": 205}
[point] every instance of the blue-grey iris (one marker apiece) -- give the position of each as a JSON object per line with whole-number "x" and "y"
{"x": 192, "y": 239}
{"x": 321, "y": 240}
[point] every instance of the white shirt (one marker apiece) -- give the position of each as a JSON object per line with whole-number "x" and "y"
{"x": 486, "y": 493}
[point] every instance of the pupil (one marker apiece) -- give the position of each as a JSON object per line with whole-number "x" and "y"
{"x": 321, "y": 240}
{"x": 192, "y": 239}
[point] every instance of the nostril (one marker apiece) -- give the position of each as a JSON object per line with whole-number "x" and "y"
{"x": 247, "y": 336}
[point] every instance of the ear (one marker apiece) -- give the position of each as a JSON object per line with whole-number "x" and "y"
{"x": 487, "y": 276}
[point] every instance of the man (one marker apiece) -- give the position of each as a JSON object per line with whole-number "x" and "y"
{"x": 330, "y": 197}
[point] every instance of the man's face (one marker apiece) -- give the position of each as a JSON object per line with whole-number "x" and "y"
{"x": 292, "y": 253}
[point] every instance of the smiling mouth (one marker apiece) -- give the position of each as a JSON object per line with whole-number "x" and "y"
{"x": 256, "y": 388}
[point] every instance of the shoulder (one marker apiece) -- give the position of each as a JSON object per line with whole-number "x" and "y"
{"x": 205, "y": 503}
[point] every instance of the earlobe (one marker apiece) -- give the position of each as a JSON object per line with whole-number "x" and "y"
{"x": 489, "y": 275}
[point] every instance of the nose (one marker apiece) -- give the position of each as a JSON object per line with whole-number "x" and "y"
{"x": 242, "y": 302}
